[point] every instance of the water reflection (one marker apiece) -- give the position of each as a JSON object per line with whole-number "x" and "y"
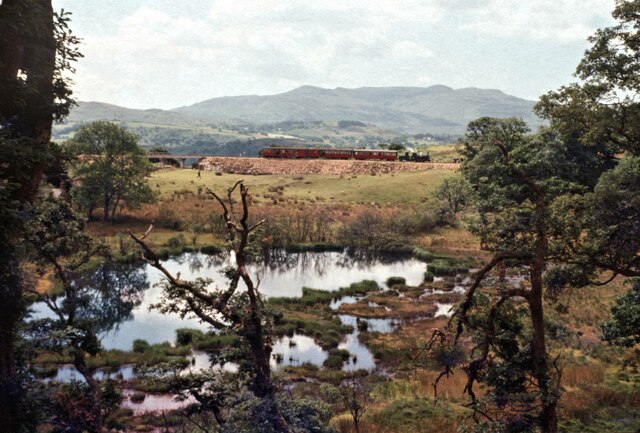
{"x": 445, "y": 309}
{"x": 155, "y": 403}
{"x": 297, "y": 350}
{"x": 67, "y": 373}
{"x": 361, "y": 357}
{"x": 104, "y": 300}
{"x": 384, "y": 326}
{"x": 123, "y": 293}
{"x": 285, "y": 274}
{"x": 336, "y": 303}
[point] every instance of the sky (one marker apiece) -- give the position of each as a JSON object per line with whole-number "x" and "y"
{"x": 166, "y": 53}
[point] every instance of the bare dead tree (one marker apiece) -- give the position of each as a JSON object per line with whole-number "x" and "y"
{"x": 218, "y": 308}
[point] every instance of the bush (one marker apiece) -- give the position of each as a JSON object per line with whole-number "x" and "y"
{"x": 187, "y": 336}
{"x": 393, "y": 281}
{"x": 137, "y": 397}
{"x": 168, "y": 219}
{"x": 336, "y": 359}
{"x": 176, "y": 242}
{"x": 210, "y": 249}
{"x": 140, "y": 346}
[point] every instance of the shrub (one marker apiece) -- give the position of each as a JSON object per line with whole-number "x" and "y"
{"x": 336, "y": 359}
{"x": 137, "y": 397}
{"x": 186, "y": 336}
{"x": 168, "y": 219}
{"x": 176, "y": 242}
{"x": 210, "y": 249}
{"x": 393, "y": 281}
{"x": 140, "y": 346}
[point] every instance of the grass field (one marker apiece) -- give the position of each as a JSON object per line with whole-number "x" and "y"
{"x": 404, "y": 188}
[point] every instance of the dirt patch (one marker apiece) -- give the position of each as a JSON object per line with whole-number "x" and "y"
{"x": 258, "y": 166}
{"x": 388, "y": 307}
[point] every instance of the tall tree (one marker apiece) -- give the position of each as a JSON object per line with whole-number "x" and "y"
{"x": 229, "y": 310}
{"x": 113, "y": 164}
{"x": 518, "y": 179}
{"x": 36, "y": 50}
{"x": 602, "y": 112}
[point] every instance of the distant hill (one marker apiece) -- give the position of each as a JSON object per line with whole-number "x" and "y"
{"x": 368, "y": 116}
{"x": 436, "y": 109}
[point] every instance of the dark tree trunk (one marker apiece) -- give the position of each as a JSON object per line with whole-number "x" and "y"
{"x": 548, "y": 418}
{"x": 105, "y": 208}
{"x": 96, "y": 393}
{"x": 27, "y": 45}
{"x": 263, "y": 386}
{"x": 11, "y": 312}
{"x": 113, "y": 211}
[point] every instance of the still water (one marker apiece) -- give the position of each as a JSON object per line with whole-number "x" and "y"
{"x": 281, "y": 275}
{"x": 326, "y": 271}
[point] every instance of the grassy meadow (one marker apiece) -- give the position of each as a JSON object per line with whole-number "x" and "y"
{"x": 404, "y": 188}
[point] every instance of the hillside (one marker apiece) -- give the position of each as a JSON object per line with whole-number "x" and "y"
{"x": 367, "y": 116}
{"x": 435, "y": 109}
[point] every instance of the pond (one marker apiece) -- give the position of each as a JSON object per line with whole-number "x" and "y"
{"x": 282, "y": 274}
{"x": 285, "y": 276}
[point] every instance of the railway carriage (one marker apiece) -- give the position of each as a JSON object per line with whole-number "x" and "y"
{"x": 328, "y": 153}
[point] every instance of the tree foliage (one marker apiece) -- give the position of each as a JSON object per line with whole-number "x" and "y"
{"x": 37, "y": 50}
{"x": 456, "y": 192}
{"x": 112, "y": 169}
{"x": 624, "y": 326}
{"x": 84, "y": 309}
{"x": 601, "y": 111}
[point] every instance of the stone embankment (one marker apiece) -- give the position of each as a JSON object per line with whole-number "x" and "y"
{"x": 259, "y": 166}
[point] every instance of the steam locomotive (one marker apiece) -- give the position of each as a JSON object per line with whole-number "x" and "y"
{"x": 330, "y": 153}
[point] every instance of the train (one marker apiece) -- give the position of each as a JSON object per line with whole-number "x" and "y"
{"x": 330, "y": 153}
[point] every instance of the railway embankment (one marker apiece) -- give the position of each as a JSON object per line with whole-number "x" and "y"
{"x": 259, "y": 166}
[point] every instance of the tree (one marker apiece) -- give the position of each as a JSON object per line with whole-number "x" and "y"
{"x": 624, "y": 326}
{"x": 518, "y": 180}
{"x": 609, "y": 218}
{"x": 87, "y": 307}
{"x": 229, "y": 310}
{"x": 456, "y": 192}
{"x": 36, "y": 52}
{"x": 602, "y": 111}
{"x": 354, "y": 396}
{"x": 112, "y": 163}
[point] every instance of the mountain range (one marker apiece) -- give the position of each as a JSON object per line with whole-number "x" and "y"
{"x": 310, "y": 116}
{"x": 409, "y": 110}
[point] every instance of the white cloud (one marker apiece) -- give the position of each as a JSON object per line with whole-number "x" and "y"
{"x": 249, "y": 46}
{"x": 151, "y": 57}
{"x": 559, "y": 20}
